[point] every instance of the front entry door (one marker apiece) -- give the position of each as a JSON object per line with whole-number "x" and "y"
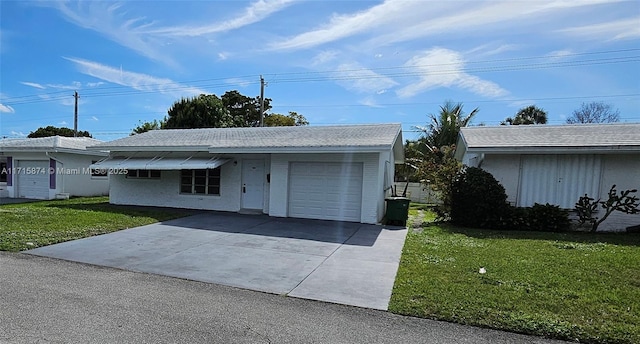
{"x": 252, "y": 184}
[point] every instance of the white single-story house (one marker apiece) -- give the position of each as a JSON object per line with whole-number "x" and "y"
{"x": 50, "y": 167}
{"x": 318, "y": 172}
{"x": 558, "y": 164}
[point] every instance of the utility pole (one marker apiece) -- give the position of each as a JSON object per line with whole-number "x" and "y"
{"x": 75, "y": 115}
{"x": 261, "y": 101}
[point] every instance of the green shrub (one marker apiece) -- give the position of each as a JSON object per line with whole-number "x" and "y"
{"x": 548, "y": 218}
{"x": 477, "y": 199}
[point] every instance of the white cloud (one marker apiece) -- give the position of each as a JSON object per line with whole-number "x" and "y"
{"x": 611, "y": 31}
{"x": 420, "y": 19}
{"x": 342, "y": 26}
{"x": 440, "y": 67}
{"x": 487, "y": 50}
{"x": 138, "y": 81}
{"x": 94, "y": 84}
{"x": 18, "y": 133}
{"x": 370, "y": 102}
{"x": 94, "y": 118}
{"x": 559, "y": 54}
{"x": 324, "y": 57}
{"x": 239, "y": 82}
{"x": 223, "y": 56}
{"x": 63, "y": 123}
{"x": 256, "y": 12}
{"x": 32, "y": 84}
{"x": 143, "y": 35}
{"x": 109, "y": 20}
{"x": 6, "y": 108}
{"x": 74, "y": 86}
{"x": 70, "y": 101}
{"x": 354, "y": 77}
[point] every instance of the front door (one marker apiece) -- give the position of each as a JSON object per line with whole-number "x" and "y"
{"x": 252, "y": 184}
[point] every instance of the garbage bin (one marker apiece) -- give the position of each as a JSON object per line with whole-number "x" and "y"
{"x": 397, "y": 210}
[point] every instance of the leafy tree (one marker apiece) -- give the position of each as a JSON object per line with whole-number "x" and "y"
{"x": 528, "y": 115}
{"x": 245, "y": 111}
{"x": 430, "y": 159}
{"x": 444, "y": 128}
{"x": 439, "y": 168}
{"x": 414, "y": 154}
{"x": 143, "y": 127}
{"x": 203, "y": 111}
{"x": 53, "y": 131}
{"x": 594, "y": 112}
{"x": 278, "y": 120}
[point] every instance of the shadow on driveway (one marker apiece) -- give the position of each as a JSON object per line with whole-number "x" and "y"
{"x": 340, "y": 262}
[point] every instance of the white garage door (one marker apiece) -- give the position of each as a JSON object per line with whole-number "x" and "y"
{"x": 327, "y": 191}
{"x": 33, "y": 179}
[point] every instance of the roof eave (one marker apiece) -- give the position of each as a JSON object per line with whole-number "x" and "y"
{"x": 150, "y": 148}
{"x": 53, "y": 150}
{"x": 310, "y": 149}
{"x": 558, "y": 150}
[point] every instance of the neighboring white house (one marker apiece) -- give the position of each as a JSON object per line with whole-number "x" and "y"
{"x": 332, "y": 173}
{"x": 557, "y": 164}
{"x": 50, "y": 167}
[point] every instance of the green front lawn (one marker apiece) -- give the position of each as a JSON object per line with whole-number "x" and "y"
{"x": 572, "y": 286}
{"x": 29, "y": 225}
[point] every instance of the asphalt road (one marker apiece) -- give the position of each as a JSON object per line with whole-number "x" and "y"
{"x": 45, "y": 300}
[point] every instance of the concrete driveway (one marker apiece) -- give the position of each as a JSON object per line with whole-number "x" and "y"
{"x": 340, "y": 262}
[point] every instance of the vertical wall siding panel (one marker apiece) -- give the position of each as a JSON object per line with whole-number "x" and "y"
{"x": 539, "y": 180}
{"x": 578, "y": 174}
{"x": 558, "y": 179}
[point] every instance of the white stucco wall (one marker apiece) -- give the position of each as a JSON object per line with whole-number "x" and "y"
{"x": 165, "y": 192}
{"x": 372, "y": 190}
{"x": 624, "y": 172}
{"x": 75, "y": 177}
{"x": 77, "y": 182}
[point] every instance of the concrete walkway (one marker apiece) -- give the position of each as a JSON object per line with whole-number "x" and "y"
{"x": 347, "y": 263}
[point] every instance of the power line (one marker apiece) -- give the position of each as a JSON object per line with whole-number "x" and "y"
{"x": 339, "y": 75}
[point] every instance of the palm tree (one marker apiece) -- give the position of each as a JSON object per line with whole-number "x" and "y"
{"x": 444, "y": 128}
{"x": 528, "y": 115}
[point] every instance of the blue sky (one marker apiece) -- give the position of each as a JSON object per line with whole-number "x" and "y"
{"x": 335, "y": 62}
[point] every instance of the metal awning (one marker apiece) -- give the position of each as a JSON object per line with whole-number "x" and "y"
{"x": 159, "y": 163}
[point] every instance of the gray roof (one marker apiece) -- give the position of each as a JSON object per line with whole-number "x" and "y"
{"x": 265, "y": 139}
{"x": 540, "y": 138}
{"x": 49, "y": 144}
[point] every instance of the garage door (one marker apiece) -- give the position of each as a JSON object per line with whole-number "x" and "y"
{"x": 33, "y": 179}
{"x": 327, "y": 191}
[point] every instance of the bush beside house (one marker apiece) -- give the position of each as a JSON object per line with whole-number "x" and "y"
{"x": 478, "y": 200}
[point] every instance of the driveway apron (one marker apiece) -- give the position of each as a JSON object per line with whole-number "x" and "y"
{"x": 340, "y": 262}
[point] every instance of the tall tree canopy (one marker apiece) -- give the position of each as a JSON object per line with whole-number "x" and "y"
{"x": 143, "y": 127}
{"x": 528, "y": 115}
{"x": 53, "y": 131}
{"x": 210, "y": 111}
{"x": 443, "y": 128}
{"x": 594, "y": 112}
{"x": 290, "y": 120}
{"x": 203, "y": 111}
{"x": 245, "y": 111}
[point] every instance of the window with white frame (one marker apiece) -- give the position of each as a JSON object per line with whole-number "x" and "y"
{"x": 201, "y": 182}
{"x": 143, "y": 174}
